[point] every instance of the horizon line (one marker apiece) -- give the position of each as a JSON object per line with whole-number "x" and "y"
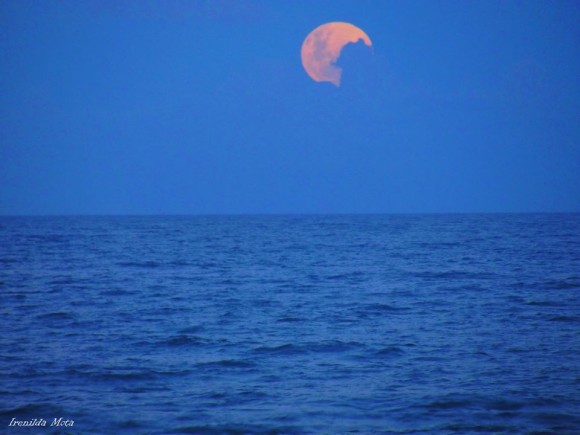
{"x": 279, "y": 214}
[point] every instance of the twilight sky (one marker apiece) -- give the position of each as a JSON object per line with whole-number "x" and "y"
{"x": 203, "y": 107}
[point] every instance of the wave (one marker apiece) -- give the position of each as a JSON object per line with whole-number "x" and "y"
{"x": 183, "y": 340}
{"x": 57, "y": 315}
{"x": 479, "y": 428}
{"x": 504, "y": 405}
{"x": 117, "y": 292}
{"x": 235, "y": 430}
{"x": 289, "y": 319}
{"x": 191, "y": 329}
{"x": 144, "y": 375}
{"x": 563, "y": 319}
{"x": 378, "y": 309}
{"x": 458, "y": 403}
{"x": 315, "y": 347}
{"x": 544, "y": 303}
{"x": 32, "y": 410}
{"x": 97, "y": 373}
{"x": 390, "y": 351}
{"x": 562, "y": 284}
{"x": 455, "y": 274}
{"x": 227, "y": 363}
{"x": 65, "y": 280}
{"x": 48, "y": 238}
{"x": 140, "y": 264}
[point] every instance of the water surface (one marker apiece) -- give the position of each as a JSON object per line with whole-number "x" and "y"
{"x": 291, "y": 324}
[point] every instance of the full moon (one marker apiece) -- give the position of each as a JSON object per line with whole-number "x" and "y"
{"x": 322, "y": 47}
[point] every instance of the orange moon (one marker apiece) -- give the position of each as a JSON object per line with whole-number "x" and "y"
{"x": 322, "y": 47}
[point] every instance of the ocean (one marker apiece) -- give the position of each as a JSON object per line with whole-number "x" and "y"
{"x": 386, "y": 324}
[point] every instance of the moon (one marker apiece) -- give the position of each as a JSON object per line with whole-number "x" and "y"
{"x": 322, "y": 47}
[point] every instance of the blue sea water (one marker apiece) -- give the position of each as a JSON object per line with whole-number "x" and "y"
{"x": 443, "y": 324}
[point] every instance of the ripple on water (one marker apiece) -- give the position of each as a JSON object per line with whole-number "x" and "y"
{"x": 307, "y": 324}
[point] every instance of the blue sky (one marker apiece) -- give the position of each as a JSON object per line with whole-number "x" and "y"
{"x": 203, "y": 107}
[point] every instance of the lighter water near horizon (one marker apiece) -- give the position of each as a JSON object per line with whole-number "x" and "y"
{"x": 443, "y": 324}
